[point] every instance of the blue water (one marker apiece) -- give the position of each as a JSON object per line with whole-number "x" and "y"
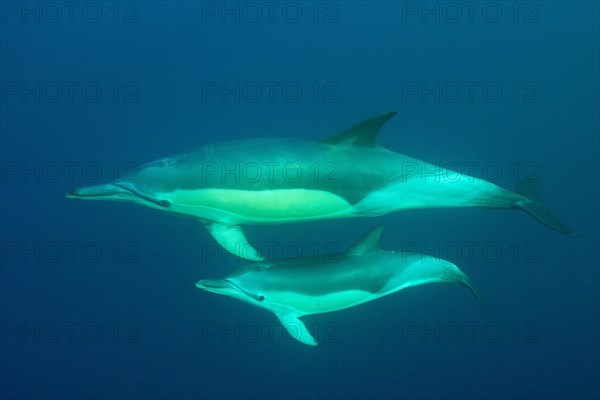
{"x": 98, "y": 298}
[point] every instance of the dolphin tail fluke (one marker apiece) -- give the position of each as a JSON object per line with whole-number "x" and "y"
{"x": 466, "y": 281}
{"x": 535, "y": 207}
{"x": 96, "y": 192}
{"x": 232, "y": 239}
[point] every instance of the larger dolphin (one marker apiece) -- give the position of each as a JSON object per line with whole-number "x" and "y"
{"x": 292, "y": 289}
{"x": 272, "y": 181}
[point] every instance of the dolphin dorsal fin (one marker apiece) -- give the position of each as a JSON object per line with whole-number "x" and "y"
{"x": 362, "y": 134}
{"x": 368, "y": 243}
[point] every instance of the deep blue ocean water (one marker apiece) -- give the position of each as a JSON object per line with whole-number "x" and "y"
{"x": 98, "y": 298}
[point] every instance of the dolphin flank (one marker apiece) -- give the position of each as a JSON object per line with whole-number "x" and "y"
{"x": 292, "y": 289}
{"x": 283, "y": 180}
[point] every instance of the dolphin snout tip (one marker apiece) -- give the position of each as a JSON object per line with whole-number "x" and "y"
{"x": 200, "y": 284}
{"x": 72, "y": 194}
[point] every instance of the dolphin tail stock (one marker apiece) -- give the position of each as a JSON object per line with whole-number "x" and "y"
{"x": 534, "y": 205}
{"x": 454, "y": 275}
{"x": 436, "y": 270}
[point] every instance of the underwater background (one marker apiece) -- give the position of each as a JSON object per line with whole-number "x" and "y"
{"x": 98, "y": 298}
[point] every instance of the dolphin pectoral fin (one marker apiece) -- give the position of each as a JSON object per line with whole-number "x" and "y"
{"x": 296, "y": 329}
{"x": 535, "y": 207}
{"x": 232, "y": 239}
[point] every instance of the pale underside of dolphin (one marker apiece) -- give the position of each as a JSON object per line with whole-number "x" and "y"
{"x": 282, "y": 180}
{"x": 292, "y": 289}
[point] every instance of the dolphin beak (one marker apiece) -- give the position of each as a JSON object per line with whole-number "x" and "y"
{"x": 103, "y": 191}
{"x": 223, "y": 286}
{"x": 215, "y": 285}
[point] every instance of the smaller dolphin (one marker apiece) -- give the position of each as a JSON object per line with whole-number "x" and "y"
{"x": 362, "y": 273}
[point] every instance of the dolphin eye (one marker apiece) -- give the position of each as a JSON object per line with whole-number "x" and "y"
{"x": 260, "y": 298}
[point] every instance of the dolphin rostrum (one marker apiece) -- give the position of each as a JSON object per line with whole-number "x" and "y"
{"x": 281, "y": 180}
{"x": 293, "y": 288}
